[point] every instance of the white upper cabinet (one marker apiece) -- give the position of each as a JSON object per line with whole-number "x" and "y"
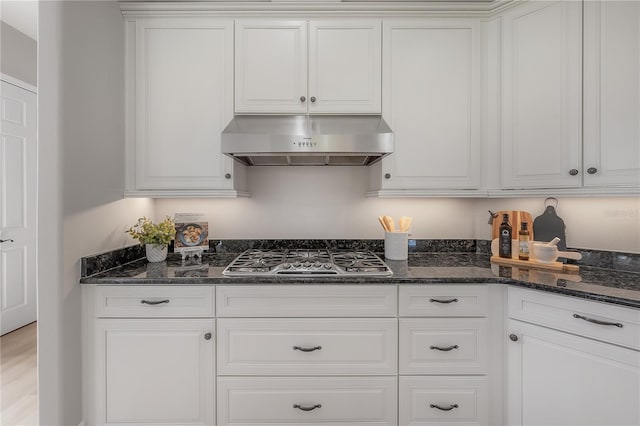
{"x": 180, "y": 98}
{"x": 541, "y": 95}
{"x": 611, "y": 93}
{"x": 431, "y": 92}
{"x": 297, "y": 66}
{"x": 271, "y": 66}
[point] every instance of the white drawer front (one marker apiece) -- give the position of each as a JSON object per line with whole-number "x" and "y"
{"x": 307, "y": 301}
{"x": 154, "y": 301}
{"x": 338, "y": 401}
{"x": 450, "y": 300}
{"x": 570, "y": 314}
{"x": 306, "y": 346}
{"x": 443, "y": 346}
{"x": 462, "y": 401}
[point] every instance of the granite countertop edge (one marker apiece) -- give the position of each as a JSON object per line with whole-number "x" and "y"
{"x": 451, "y": 274}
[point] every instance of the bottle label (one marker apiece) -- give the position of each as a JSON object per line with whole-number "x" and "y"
{"x": 524, "y": 248}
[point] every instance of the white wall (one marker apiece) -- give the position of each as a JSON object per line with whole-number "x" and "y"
{"x": 320, "y": 203}
{"x": 18, "y": 54}
{"x": 81, "y": 180}
{"x": 323, "y": 202}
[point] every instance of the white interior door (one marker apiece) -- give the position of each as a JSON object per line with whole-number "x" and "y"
{"x": 18, "y": 196}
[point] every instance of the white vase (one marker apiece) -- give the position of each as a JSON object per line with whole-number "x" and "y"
{"x": 156, "y": 252}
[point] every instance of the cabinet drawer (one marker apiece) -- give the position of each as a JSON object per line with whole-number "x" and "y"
{"x": 462, "y": 401}
{"x": 306, "y": 301}
{"x": 443, "y": 346}
{"x": 307, "y": 346}
{"x": 365, "y": 401}
{"x": 154, "y": 301}
{"x": 622, "y": 325}
{"x": 451, "y": 300}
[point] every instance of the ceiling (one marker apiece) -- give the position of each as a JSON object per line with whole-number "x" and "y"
{"x": 21, "y": 15}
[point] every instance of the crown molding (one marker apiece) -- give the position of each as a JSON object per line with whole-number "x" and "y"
{"x": 317, "y": 8}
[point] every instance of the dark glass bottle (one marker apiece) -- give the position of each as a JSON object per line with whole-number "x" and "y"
{"x": 504, "y": 238}
{"x": 523, "y": 239}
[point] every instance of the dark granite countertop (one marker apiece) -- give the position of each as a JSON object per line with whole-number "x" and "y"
{"x": 600, "y": 284}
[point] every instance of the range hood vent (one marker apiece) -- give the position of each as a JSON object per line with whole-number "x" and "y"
{"x": 307, "y": 140}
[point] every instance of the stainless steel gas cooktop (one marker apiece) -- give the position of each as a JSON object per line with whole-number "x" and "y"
{"x": 309, "y": 263}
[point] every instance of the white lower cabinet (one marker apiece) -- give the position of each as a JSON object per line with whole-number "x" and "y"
{"x": 301, "y": 401}
{"x": 154, "y": 371}
{"x": 555, "y": 378}
{"x": 443, "y": 400}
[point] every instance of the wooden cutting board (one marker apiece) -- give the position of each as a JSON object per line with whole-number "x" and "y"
{"x": 516, "y": 217}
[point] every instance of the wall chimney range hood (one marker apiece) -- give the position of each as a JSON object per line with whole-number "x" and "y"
{"x": 307, "y": 140}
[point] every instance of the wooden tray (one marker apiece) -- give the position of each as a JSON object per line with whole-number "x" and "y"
{"x": 554, "y": 266}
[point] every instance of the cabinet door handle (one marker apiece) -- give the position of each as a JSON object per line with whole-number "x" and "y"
{"x": 313, "y": 99}
{"x": 307, "y": 407}
{"x": 301, "y": 349}
{"x": 449, "y": 408}
{"x": 443, "y": 301}
{"x": 302, "y": 99}
{"x": 6, "y": 241}
{"x": 573, "y": 172}
{"x": 592, "y": 170}
{"x": 595, "y": 321}
{"x": 154, "y": 302}
{"x": 447, "y": 349}
{"x": 207, "y": 336}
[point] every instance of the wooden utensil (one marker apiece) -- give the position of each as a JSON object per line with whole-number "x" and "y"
{"x": 516, "y": 218}
{"x": 388, "y": 220}
{"x": 384, "y": 225}
{"x": 405, "y": 223}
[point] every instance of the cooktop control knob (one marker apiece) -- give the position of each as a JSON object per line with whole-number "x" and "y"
{"x": 296, "y": 265}
{"x": 326, "y": 265}
{"x": 306, "y": 264}
{"x": 286, "y": 265}
{"x": 317, "y": 265}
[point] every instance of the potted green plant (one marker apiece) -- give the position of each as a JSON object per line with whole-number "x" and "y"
{"x": 155, "y": 237}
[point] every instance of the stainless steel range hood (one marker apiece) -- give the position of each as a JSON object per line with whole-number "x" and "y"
{"x": 307, "y": 140}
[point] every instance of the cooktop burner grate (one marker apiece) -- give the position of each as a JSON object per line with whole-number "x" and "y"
{"x": 303, "y": 262}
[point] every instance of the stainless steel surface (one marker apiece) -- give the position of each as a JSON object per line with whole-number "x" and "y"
{"x": 307, "y": 263}
{"x": 307, "y": 140}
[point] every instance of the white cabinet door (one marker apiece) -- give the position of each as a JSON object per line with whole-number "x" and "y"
{"x": 611, "y": 93}
{"x": 18, "y": 196}
{"x": 183, "y": 101}
{"x": 541, "y": 95}
{"x": 556, "y": 379}
{"x": 431, "y": 92}
{"x": 337, "y": 71}
{"x": 271, "y": 66}
{"x": 345, "y": 66}
{"x": 154, "y": 371}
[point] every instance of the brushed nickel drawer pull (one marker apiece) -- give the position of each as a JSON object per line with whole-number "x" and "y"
{"x": 447, "y": 349}
{"x": 443, "y": 301}
{"x": 449, "y": 408}
{"x": 301, "y": 349}
{"x": 153, "y": 302}
{"x": 595, "y": 321}
{"x": 307, "y": 407}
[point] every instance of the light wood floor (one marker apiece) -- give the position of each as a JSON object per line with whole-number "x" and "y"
{"x": 18, "y": 377}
